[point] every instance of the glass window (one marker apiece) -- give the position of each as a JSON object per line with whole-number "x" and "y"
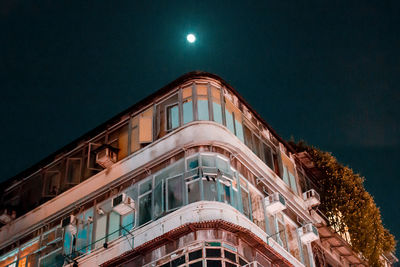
{"x": 293, "y": 182}
{"x": 172, "y": 117}
{"x": 267, "y": 156}
{"x": 210, "y": 188}
{"x": 145, "y": 208}
{"x": 230, "y": 256}
{"x": 225, "y": 191}
{"x": 146, "y": 126}
{"x": 145, "y": 186}
{"x": 257, "y": 208}
{"x": 245, "y": 202}
{"x": 159, "y": 193}
{"x": 213, "y": 253}
{"x": 175, "y": 194}
{"x": 192, "y": 163}
{"x": 119, "y": 139}
{"x": 202, "y": 102}
{"x": 187, "y": 105}
{"x": 195, "y": 255}
{"x": 248, "y": 138}
{"x": 52, "y": 180}
{"x": 53, "y": 259}
{"x": 85, "y": 228}
{"x": 222, "y": 165}
{"x": 208, "y": 160}
{"x": 216, "y": 103}
{"x": 113, "y": 226}
{"x": 128, "y": 222}
{"x": 162, "y": 115}
{"x": 282, "y": 234}
{"x": 74, "y": 170}
{"x": 193, "y": 191}
{"x": 229, "y": 116}
{"x": 214, "y": 263}
{"x": 285, "y": 175}
{"x": 100, "y": 234}
{"x": 135, "y": 144}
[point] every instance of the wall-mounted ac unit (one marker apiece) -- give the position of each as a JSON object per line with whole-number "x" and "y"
{"x": 308, "y": 233}
{"x": 106, "y": 156}
{"x": 70, "y": 224}
{"x": 274, "y": 203}
{"x": 311, "y": 198}
{"x": 123, "y": 204}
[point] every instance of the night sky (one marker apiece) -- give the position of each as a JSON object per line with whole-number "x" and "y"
{"x": 327, "y": 72}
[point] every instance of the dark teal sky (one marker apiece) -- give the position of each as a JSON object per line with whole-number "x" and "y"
{"x": 326, "y": 71}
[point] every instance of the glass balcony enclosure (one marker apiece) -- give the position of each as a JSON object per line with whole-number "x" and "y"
{"x": 204, "y": 176}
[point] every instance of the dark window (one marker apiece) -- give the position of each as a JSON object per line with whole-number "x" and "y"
{"x": 228, "y": 264}
{"x": 213, "y": 253}
{"x": 178, "y": 261}
{"x": 213, "y": 263}
{"x": 196, "y": 264}
{"x": 195, "y": 255}
{"x": 230, "y": 256}
{"x": 242, "y": 262}
{"x": 166, "y": 264}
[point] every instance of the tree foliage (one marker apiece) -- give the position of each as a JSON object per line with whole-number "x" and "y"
{"x": 349, "y": 206}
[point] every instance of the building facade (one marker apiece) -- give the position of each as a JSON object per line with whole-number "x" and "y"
{"x": 190, "y": 176}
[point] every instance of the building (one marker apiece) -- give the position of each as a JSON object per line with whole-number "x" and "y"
{"x": 190, "y": 176}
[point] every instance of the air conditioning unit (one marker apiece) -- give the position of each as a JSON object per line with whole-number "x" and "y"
{"x": 311, "y": 197}
{"x": 123, "y": 204}
{"x": 308, "y": 233}
{"x": 106, "y": 156}
{"x": 274, "y": 203}
{"x": 70, "y": 224}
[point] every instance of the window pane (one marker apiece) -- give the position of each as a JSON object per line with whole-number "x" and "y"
{"x": 196, "y": 264}
{"x": 84, "y": 236}
{"x": 145, "y": 186}
{"x": 217, "y": 108}
{"x": 74, "y": 171}
{"x": 230, "y": 256}
{"x": 268, "y": 156}
{"x": 195, "y": 255}
{"x": 159, "y": 205}
{"x": 210, "y": 189}
{"x": 135, "y": 145}
{"x": 248, "y": 138}
{"x": 202, "y": 108}
{"x": 173, "y": 117}
{"x": 67, "y": 242}
{"x": 119, "y": 139}
{"x": 229, "y": 121}
{"x": 282, "y": 234}
{"x": 293, "y": 241}
{"x": 213, "y": 253}
{"x": 214, "y": 263}
{"x": 175, "y": 196}
{"x": 52, "y": 260}
{"x": 145, "y": 209}
{"x": 52, "y": 179}
{"x": 285, "y": 175}
{"x": 101, "y": 224}
{"x": 113, "y": 226}
{"x": 245, "y": 202}
{"x": 239, "y": 130}
{"x": 187, "y": 110}
{"x": 257, "y": 209}
{"x": 207, "y": 161}
{"x": 222, "y": 165}
{"x": 193, "y": 191}
{"x": 192, "y": 163}
{"x": 293, "y": 184}
{"x": 128, "y": 222}
{"x": 146, "y": 126}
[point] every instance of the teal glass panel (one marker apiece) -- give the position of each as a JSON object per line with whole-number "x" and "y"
{"x": 192, "y": 163}
{"x": 217, "y": 112}
{"x": 187, "y": 112}
{"x": 207, "y": 161}
{"x": 175, "y": 192}
{"x": 145, "y": 209}
{"x": 222, "y": 165}
{"x": 145, "y": 187}
{"x": 159, "y": 205}
{"x": 173, "y": 117}
{"x": 229, "y": 121}
{"x": 293, "y": 182}
{"x": 128, "y": 222}
{"x": 193, "y": 191}
{"x": 113, "y": 226}
{"x": 285, "y": 175}
{"x": 210, "y": 189}
{"x": 100, "y": 234}
{"x": 54, "y": 259}
{"x": 202, "y": 109}
{"x": 67, "y": 242}
{"x": 239, "y": 130}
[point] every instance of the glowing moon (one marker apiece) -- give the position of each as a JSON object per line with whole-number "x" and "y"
{"x": 191, "y": 38}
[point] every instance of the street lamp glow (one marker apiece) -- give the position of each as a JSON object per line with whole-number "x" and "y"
{"x": 191, "y": 38}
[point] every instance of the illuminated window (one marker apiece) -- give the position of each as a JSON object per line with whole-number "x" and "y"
{"x": 202, "y": 101}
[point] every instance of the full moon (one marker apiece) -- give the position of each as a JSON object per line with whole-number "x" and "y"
{"x": 191, "y": 38}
